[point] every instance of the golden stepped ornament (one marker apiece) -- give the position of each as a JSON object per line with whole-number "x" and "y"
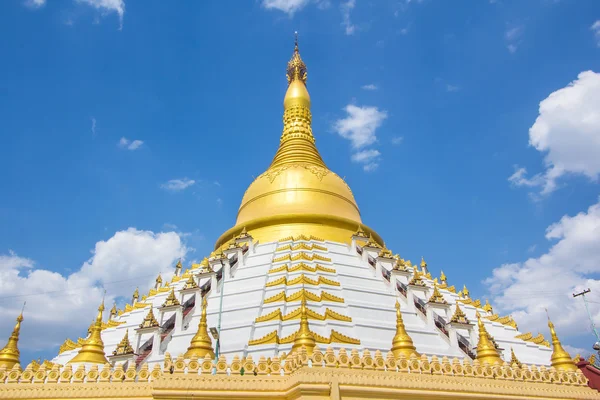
{"x": 124, "y": 346}
{"x": 459, "y": 316}
{"x": 171, "y": 300}
{"x": 149, "y": 320}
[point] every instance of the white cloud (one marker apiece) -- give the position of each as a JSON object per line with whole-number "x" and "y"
{"x": 346, "y": 9}
{"x": 370, "y": 86}
{"x": 396, "y": 140}
{"x": 176, "y": 185}
{"x": 452, "y": 88}
{"x": 64, "y": 305}
{"x": 596, "y": 29}
{"x": 404, "y": 31}
{"x": 125, "y": 143}
{"x": 287, "y": 6}
{"x": 525, "y": 289}
{"x": 35, "y": 3}
{"x": 513, "y": 37}
{"x": 360, "y": 124}
{"x": 567, "y": 130}
{"x": 108, "y": 6}
{"x": 369, "y": 159}
{"x": 93, "y": 126}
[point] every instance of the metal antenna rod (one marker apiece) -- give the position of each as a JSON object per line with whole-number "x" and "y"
{"x": 587, "y": 308}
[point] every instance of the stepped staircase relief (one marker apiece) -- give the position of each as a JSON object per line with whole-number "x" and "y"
{"x": 301, "y": 273}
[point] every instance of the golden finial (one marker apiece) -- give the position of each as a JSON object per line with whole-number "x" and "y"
{"x": 9, "y": 355}
{"x": 158, "y": 281}
{"x": 402, "y": 343}
{"x": 423, "y": 264}
{"x": 149, "y": 320}
{"x": 360, "y": 232}
{"x": 488, "y": 307}
{"x": 560, "y": 359}
{"x": 437, "y": 297}
{"x": 178, "y": 267}
{"x": 201, "y": 344}
{"x": 459, "y": 316}
{"x": 486, "y": 351}
{"x": 442, "y": 276}
{"x": 124, "y": 347}
{"x": 304, "y": 336}
{"x": 465, "y": 291}
{"x": 92, "y": 350}
{"x": 513, "y": 359}
{"x": 113, "y": 311}
{"x": 171, "y": 300}
{"x": 296, "y": 69}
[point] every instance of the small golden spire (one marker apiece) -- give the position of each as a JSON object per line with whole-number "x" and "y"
{"x": 124, "y": 347}
{"x": 488, "y": 307}
{"x": 416, "y": 278}
{"x": 149, "y": 320}
{"x": 113, "y": 311}
{"x": 158, "y": 281}
{"x": 486, "y": 351}
{"x": 402, "y": 343}
{"x": 459, "y": 316}
{"x": 423, "y": 265}
{"x": 136, "y": 296}
{"x": 442, "y": 277}
{"x": 304, "y": 336}
{"x": 560, "y": 359}
{"x": 201, "y": 344}
{"x": 513, "y": 359}
{"x": 190, "y": 283}
{"x": 171, "y": 300}
{"x": 9, "y": 355}
{"x": 92, "y": 350}
{"x": 296, "y": 69}
{"x": 178, "y": 267}
{"x": 437, "y": 297}
{"x": 466, "y": 291}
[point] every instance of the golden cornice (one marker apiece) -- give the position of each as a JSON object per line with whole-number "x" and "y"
{"x": 301, "y": 267}
{"x": 539, "y": 339}
{"x": 304, "y": 294}
{"x": 334, "y": 337}
{"x": 111, "y": 324}
{"x": 67, "y": 345}
{"x": 302, "y": 279}
{"x": 295, "y": 314}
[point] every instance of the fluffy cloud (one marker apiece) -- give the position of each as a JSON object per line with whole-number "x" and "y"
{"x": 359, "y": 127}
{"x": 64, "y": 305}
{"x": 567, "y": 130}
{"x": 176, "y": 185}
{"x": 287, "y": 6}
{"x": 526, "y": 289}
{"x": 513, "y": 38}
{"x": 125, "y": 143}
{"x": 369, "y": 159}
{"x": 596, "y": 29}
{"x": 35, "y": 3}
{"x": 107, "y": 6}
{"x": 346, "y": 9}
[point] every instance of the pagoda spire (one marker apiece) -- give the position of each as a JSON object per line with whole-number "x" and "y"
{"x": 201, "y": 344}
{"x": 560, "y": 359}
{"x": 297, "y": 144}
{"x": 304, "y": 336}
{"x": 402, "y": 343}
{"x": 9, "y": 355}
{"x": 486, "y": 351}
{"x": 92, "y": 350}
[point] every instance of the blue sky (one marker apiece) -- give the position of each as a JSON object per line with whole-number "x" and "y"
{"x": 135, "y": 125}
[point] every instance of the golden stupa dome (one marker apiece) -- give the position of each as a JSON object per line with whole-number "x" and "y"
{"x": 297, "y": 194}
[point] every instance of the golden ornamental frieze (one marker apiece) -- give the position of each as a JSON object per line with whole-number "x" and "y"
{"x": 295, "y": 314}
{"x": 334, "y": 337}
{"x": 111, "y": 324}
{"x": 368, "y": 375}
{"x": 273, "y": 173}
{"x": 302, "y": 279}
{"x": 67, "y": 345}
{"x": 301, "y": 267}
{"x": 304, "y": 294}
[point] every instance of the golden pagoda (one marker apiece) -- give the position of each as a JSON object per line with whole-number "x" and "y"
{"x": 201, "y": 343}
{"x": 402, "y": 344}
{"x": 92, "y": 350}
{"x": 9, "y": 355}
{"x": 486, "y": 350}
{"x": 560, "y": 358}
